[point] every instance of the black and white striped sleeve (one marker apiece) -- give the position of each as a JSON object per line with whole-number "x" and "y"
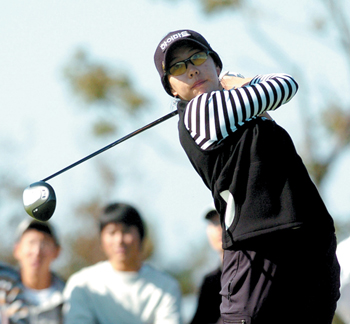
{"x": 213, "y": 116}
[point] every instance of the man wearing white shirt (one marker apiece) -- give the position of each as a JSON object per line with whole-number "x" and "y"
{"x": 123, "y": 289}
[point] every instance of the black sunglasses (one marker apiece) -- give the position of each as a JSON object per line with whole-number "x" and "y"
{"x": 181, "y": 67}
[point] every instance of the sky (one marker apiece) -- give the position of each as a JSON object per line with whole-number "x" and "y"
{"x": 44, "y": 127}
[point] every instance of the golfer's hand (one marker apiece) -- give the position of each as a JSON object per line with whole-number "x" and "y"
{"x": 234, "y": 81}
{"x": 229, "y": 82}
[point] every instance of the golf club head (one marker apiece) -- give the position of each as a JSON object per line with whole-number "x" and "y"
{"x": 39, "y": 200}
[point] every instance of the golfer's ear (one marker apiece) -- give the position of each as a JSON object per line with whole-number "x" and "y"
{"x": 15, "y": 251}
{"x": 57, "y": 252}
{"x": 218, "y": 70}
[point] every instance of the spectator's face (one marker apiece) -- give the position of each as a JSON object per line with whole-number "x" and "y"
{"x": 35, "y": 251}
{"x": 122, "y": 246}
{"x": 197, "y": 79}
{"x": 214, "y": 233}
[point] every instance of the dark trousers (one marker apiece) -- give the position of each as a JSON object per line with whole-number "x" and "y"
{"x": 286, "y": 277}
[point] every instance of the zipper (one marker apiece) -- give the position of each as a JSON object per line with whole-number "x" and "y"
{"x": 229, "y": 290}
{"x": 228, "y": 297}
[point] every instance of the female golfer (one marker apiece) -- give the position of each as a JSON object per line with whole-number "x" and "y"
{"x": 279, "y": 243}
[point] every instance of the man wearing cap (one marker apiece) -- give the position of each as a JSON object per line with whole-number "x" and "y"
{"x": 122, "y": 289}
{"x": 40, "y": 297}
{"x": 208, "y": 308}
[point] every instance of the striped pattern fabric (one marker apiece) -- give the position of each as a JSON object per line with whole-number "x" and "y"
{"x": 211, "y": 117}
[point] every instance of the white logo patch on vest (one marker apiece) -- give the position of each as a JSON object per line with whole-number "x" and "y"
{"x": 230, "y": 208}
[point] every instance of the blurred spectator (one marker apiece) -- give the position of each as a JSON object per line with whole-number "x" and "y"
{"x": 343, "y": 306}
{"x": 123, "y": 289}
{"x": 32, "y": 294}
{"x": 10, "y": 287}
{"x": 209, "y": 300}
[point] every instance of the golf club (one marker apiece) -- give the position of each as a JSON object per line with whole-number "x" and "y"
{"x": 39, "y": 199}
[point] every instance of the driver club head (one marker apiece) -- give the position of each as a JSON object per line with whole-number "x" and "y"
{"x": 39, "y": 200}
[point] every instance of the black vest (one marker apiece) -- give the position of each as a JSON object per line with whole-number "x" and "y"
{"x": 260, "y": 167}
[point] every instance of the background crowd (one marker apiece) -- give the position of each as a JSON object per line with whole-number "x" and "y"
{"x": 122, "y": 289}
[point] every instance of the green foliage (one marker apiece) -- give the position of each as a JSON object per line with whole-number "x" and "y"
{"x": 342, "y": 229}
{"x": 337, "y": 320}
{"x": 185, "y": 279}
{"x": 103, "y": 128}
{"x": 95, "y": 82}
{"x": 337, "y": 121}
{"x": 318, "y": 170}
{"x": 211, "y": 6}
{"x": 100, "y": 86}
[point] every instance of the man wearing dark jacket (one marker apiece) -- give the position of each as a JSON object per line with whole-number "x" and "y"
{"x": 209, "y": 300}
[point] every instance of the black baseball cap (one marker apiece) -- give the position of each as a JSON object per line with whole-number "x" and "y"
{"x": 168, "y": 42}
{"x": 122, "y": 213}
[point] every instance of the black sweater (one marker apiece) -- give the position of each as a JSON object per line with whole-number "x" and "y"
{"x": 259, "y": 166}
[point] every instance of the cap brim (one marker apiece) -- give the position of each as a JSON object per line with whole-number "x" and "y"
{"x": 209, "y": 215}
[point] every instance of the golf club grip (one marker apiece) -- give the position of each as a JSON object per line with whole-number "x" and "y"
{"x": 138, "y": 131}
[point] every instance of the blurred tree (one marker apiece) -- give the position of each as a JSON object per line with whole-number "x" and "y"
{"x": 335, "y": 116}
{"x": 99, "y": 85}
{"x": 112, "y": 95}
{"x": 11, "y": 188}
{"x": 216, "y": 6}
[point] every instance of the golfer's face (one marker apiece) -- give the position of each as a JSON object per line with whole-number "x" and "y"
{"x": 197, "y": 79}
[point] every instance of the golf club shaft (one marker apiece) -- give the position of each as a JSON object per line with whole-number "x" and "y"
{"x": 138, "y": 131}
